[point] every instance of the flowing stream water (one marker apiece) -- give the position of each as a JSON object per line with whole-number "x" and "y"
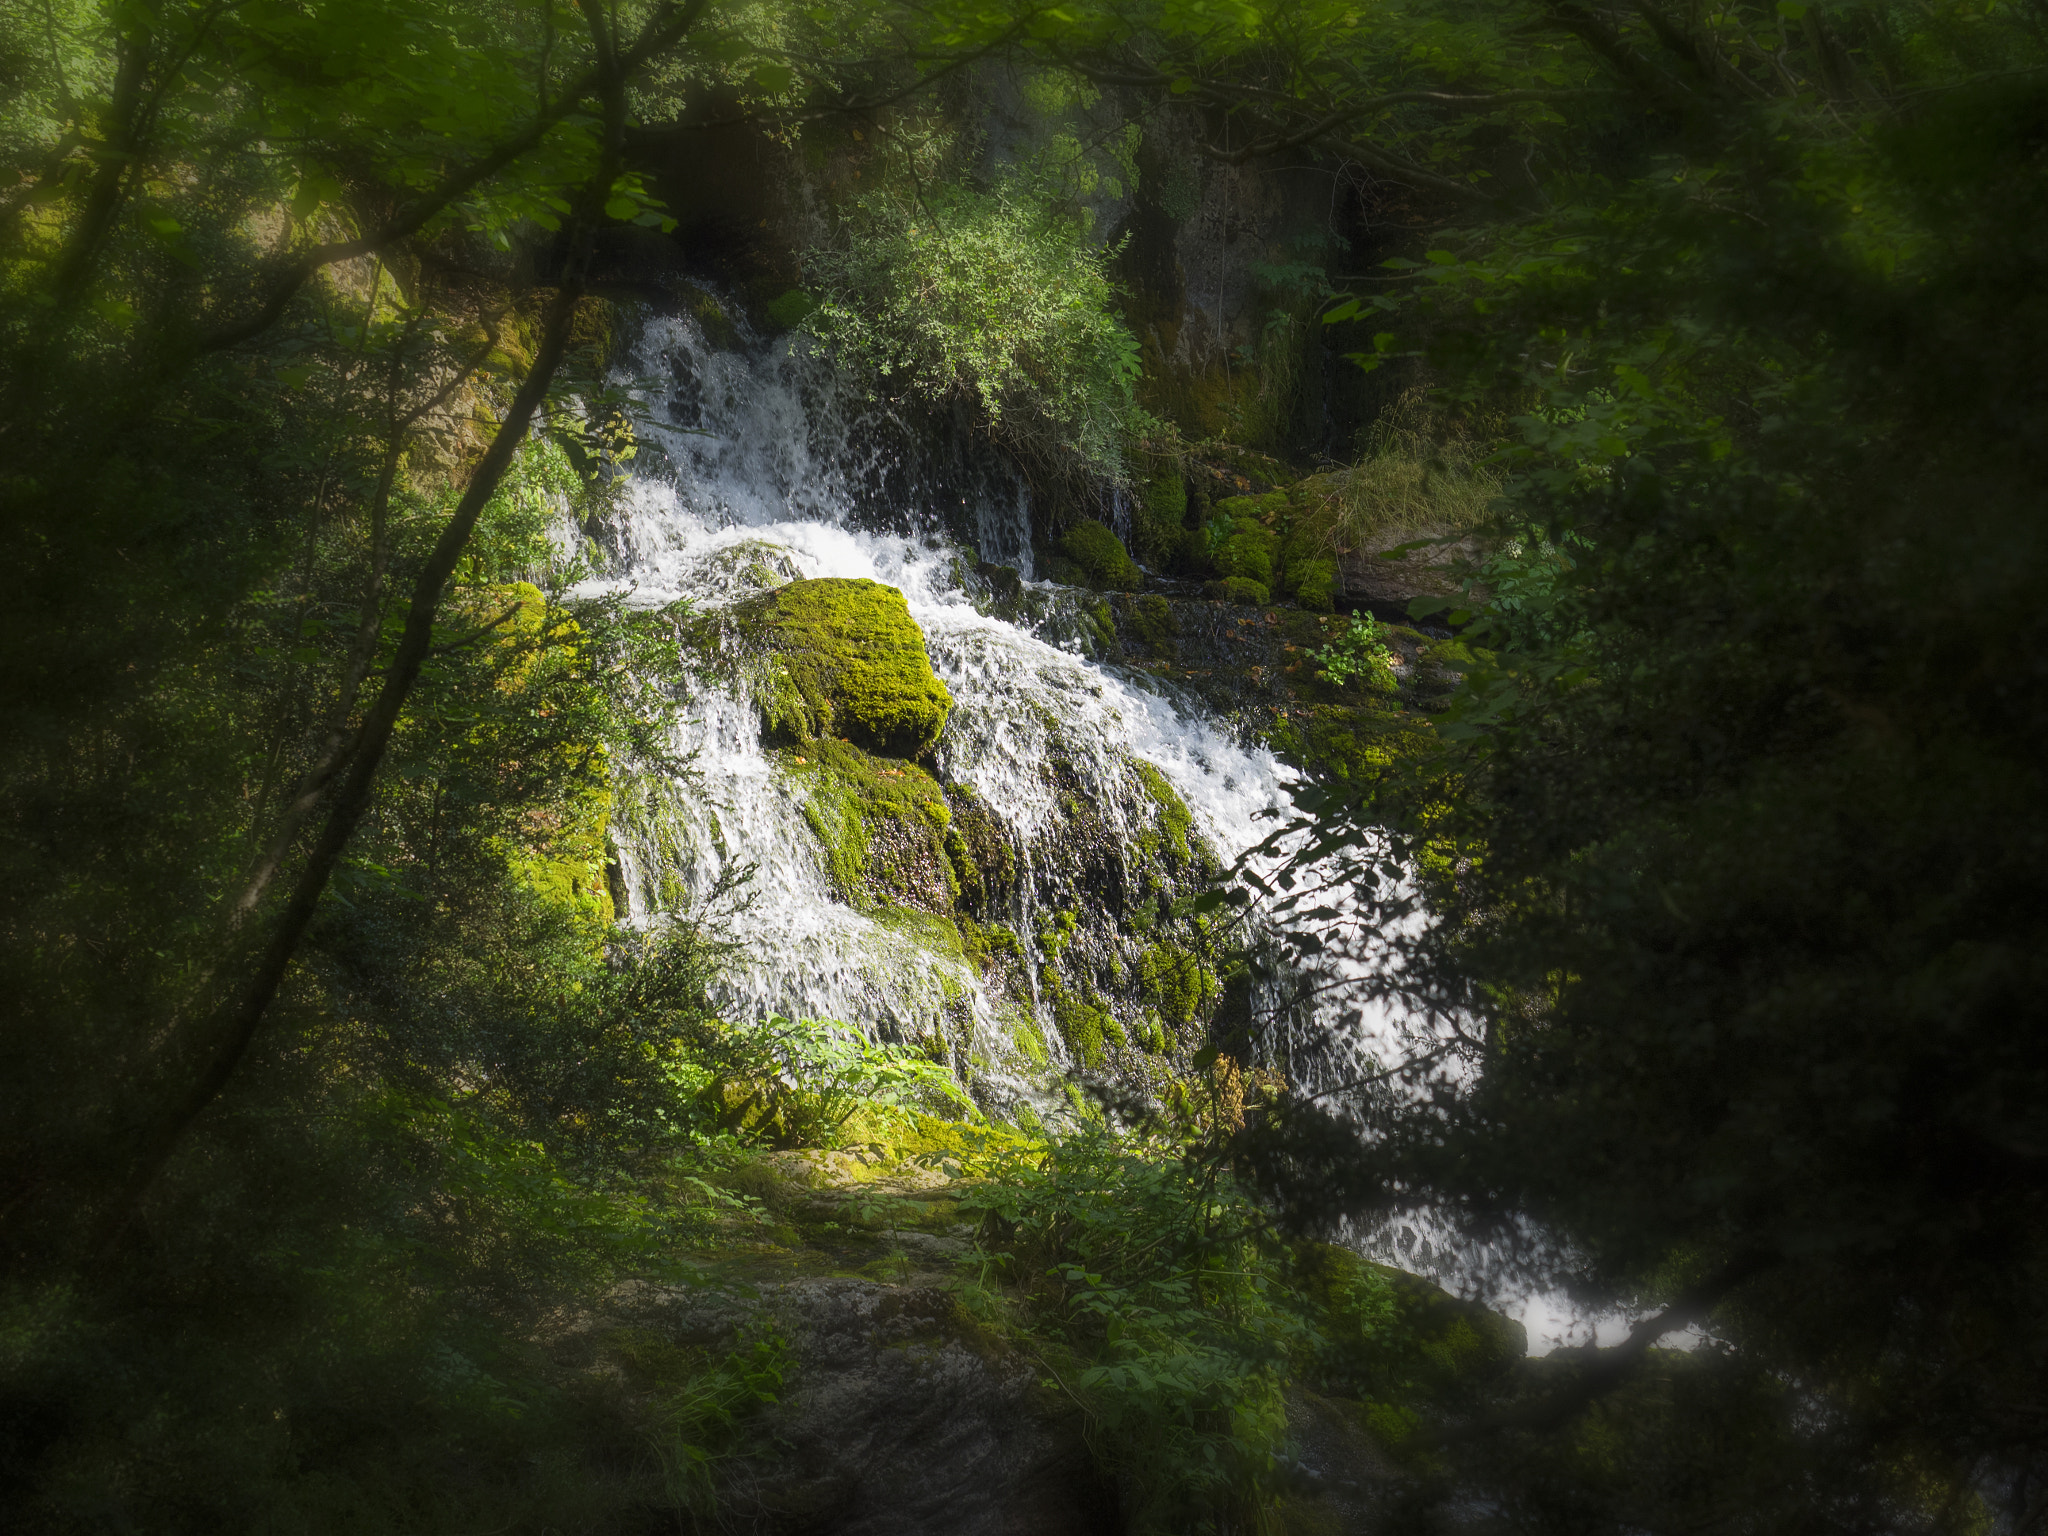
{"x": 759, "y": 463}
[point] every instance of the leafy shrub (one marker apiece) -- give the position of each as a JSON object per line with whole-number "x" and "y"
{"x": 802, "y": 1082}
{"x": 1157, "y": 1312}
{"x": 998, "y": 296}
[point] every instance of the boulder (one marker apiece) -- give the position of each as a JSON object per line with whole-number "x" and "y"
{"x": 848, "y": 661}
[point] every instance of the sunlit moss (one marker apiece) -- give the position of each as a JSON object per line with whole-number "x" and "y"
{"x": 846, "y": 660}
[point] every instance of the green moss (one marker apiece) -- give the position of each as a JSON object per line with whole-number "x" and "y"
{"x": 927, "y": 930}
{"x": 717, "y": 325}
{"x": 983, "y": 861}
{"x": 1152, "y": 621}
{"x": 1175, "y": 820}
{"x": 1238, "y": 589}
{"x": 1315, "y": 584}
{"x": 1056, "y": 931}
{"x": 1247, "y": 554}
{"x": 846, "y": 660}
{"x": 1361, "y": 746}
{"x": 1175, "y": 982}
{"x": 882, "y": 824}
{"x": 1158, "y": 513}
{"x": 787, "y": 312}
{"x": 1101, "y": 557}
{"x": 1089, "y": 1029}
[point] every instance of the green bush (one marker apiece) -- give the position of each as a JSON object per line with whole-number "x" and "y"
{"x": 1101, "y": 556}
{"x": 1001, "y": 296}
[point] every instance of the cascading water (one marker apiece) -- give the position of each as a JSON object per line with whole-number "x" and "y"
{"x": 759, "y": 465}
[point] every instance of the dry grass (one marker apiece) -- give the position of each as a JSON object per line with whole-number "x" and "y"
{"x": 1423, "y": 475}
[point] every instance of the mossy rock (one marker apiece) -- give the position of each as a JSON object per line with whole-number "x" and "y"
{"x": 1176, "y": 982}
{"x": 1101, "y": 557}
{"x": 1238, "y": 589}
{"x": 1158, "y": 512}
{"x": 1090, "y": 1030}
{"x": 1248, "y": 553}
{"x": 789, "y": 311}
{"x": 983, "y": 858}
{"x": 1152, "y": 621}
{"x": 718, "y": 327}
{"x": 1315, "y": 583}
{"x": 1176, "y": 821}
{"x": 883, "y": 824}
{"x": 849, "y": 661}
{"x": 753, "y": 565}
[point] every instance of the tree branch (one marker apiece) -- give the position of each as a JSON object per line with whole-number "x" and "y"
{"x": 1607, "y": 1369}
{"x": 661, "y": 33}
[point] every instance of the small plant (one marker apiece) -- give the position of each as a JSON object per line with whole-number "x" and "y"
{"x": 1361, "y": 655}
{"x": 799, "y": 1082}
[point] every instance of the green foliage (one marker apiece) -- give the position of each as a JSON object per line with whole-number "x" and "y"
{"x": 997, "y": 295}
{"x": 1361, "y": 655}
{"x": 705, "y": 1410}
{"x": 1145, "y": 1276}
{"x": 1150, "y": 1289}
{"x": 803, "y": 1082}
{"x": 1101, "y": 556}
{"x": 1747, "y": 759}
{"x": 846, "y": 659}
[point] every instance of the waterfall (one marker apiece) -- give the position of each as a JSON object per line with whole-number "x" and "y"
{"x": 757, "y": 464}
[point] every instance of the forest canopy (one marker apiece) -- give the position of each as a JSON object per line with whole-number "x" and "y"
{"x": 1701, "y": 343}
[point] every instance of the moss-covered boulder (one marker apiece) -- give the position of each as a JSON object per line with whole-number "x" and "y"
{"x": 1315, "y": 583}
{"x": 847, "y": 660}
{"x": 1101, "y": 557}
{"x": 1247, "y": 553}
{"x": 1159, "y": 512}
{"x": 883, "y": 824}
{"x": 1238, "y": 589}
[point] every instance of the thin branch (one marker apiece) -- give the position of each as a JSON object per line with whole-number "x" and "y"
{"x": 1607, "y": 1369}
{"x": 667, "y": 28}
